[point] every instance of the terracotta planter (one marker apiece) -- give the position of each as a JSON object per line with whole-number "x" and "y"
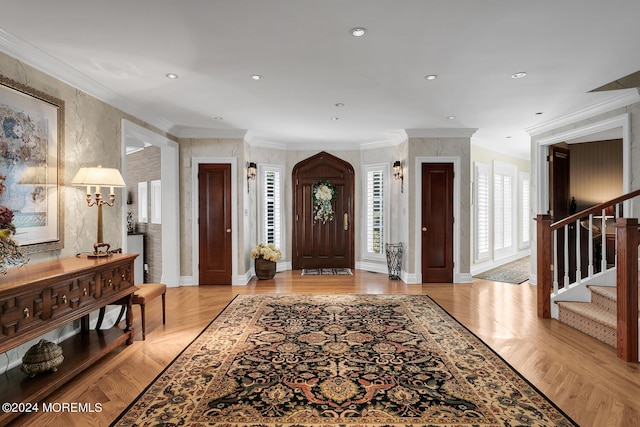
{"x": 264, "y": 269}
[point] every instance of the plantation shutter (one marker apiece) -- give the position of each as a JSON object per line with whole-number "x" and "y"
{"x": 272, "y": 214}
{"x": 482, "y": 211}
{"x": 504, "y": 211}
{"x": 524, "y": 210}
{"x": 375, "y": 217}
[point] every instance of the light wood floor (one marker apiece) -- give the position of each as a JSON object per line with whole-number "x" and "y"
{"x": 581, "y": 375}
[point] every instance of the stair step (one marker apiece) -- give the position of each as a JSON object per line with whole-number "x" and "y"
{"x": 605, "y": 297}
{"x": 589, "y": 318}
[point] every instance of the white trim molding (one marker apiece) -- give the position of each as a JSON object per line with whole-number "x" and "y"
{"x": 169, "y": 175}
{"x": 626, "y": 98}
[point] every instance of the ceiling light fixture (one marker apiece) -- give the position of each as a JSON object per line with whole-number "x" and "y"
{"x": 256, "y": 77}
{"x": 518, "y": 75}
{"x": 218, "y": 118}
{"x": 358, "y": 31}
{"x": 335, "y": 118}
{"x": 172, "y": 76}
{"x": 339, "y": 104}
{"x": 539, "y": 113}
{"x": 431, "y": 77}
{"x": 451, "y": 117}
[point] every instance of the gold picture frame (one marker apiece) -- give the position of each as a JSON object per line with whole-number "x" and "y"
{"x": 32, "y": 159}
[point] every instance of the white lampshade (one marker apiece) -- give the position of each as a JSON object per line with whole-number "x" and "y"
{"x": 106, "y": 177}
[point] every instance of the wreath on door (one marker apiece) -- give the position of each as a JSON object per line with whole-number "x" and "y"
{"x": 324, "y": 193}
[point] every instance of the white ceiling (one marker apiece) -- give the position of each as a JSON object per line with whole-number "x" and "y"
{"x": 121, "y": 50}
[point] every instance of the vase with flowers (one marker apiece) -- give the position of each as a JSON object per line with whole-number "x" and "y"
{"x": 265, "y": 257}
{"x": 10, "y": 254}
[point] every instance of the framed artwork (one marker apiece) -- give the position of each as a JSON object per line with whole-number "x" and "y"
{"x": 156, "y": 202}
{"x": 32, "y": 159}
{"x": 143, "y": 202}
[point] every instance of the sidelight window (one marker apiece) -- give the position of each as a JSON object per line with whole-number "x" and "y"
{"x": 375, "y": 220}
{"x": 270, "y": 221}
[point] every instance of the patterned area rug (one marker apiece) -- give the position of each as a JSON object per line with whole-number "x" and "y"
{"x": 339, "y": 360}
{"x": 326, "y": 272}
{"x": 515, "y": 272}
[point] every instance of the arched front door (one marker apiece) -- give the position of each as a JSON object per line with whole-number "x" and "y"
{"x": 316, "y": 244}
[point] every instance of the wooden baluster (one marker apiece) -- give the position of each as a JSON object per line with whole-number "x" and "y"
{"x": 628, "y": 239}
{"x": 543, "y": 266}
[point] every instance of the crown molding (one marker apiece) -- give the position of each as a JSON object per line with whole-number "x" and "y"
{"x": 25, "y": 52}
{"x": 441, "y": 133}
{"x": 206, "y": 133}
{"x": 630, "y": 96}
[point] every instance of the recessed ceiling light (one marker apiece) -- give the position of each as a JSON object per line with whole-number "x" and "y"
{"x": 508, "y": 137}
{"x": 172, "y": 76}
{"x": 217, "y": 118}
{"x": 539, "y": 113}
{"x": 335, "y": 118}
{"x": 256, "y": 77}
{"x": 339, "y": 104}
{"x": 358, "y": 31}
{"x": 451, "y": 117}
{"x": 431, "y": 77}
{"x": 518, "y": 75}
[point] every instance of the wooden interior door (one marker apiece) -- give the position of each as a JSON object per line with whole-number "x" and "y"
{"x": 437, "y": 222}
{"x": 214, "y": 224}
{"x": 318, "y": 245}
{"x": 559, "y": 202}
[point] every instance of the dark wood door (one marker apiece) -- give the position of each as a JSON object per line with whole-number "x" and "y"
{"x": 437, "y": 222}
{"x": 214, "y": 224}
{"x": 559, "y": 168}
{"x": 559, "y": 202}
{"x": 317, "y": 244}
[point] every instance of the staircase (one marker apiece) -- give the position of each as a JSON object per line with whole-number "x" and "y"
{"x": 596, "y": 318}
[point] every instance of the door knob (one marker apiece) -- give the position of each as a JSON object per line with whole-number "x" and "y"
{"x": 228, "y": 230}
{"x": 424, "y": 228}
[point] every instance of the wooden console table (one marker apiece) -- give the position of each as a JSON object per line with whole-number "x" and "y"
{"x": 39, "y": 298}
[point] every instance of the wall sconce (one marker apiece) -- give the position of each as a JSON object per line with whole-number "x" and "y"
{"x": 399, "y": 174}
{"x": 251, "y": 173}
{"x": 99, "y": 177}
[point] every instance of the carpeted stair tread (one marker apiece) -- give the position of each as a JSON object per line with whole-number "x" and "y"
{"x": 590, "y": 319}
{"x": 607, "y": 297}
{"x": 591, "y": 311}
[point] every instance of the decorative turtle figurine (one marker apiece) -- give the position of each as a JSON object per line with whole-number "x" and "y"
{"x": 42, "y": 357}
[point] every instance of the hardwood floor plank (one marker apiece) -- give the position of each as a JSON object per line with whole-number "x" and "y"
{"x": 581, "y": 375}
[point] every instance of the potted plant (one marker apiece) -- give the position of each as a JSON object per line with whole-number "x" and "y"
{"x": 265, "y": 257}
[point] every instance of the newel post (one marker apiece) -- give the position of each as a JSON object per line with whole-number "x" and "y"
{"x": 628, "y": 239}
{"x": 543, "y": 266}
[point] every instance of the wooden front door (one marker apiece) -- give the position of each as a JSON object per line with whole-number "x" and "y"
{"x": 317, "y": 244}
{"x": 214, "y": 224}
{"x": 437, "y": 223}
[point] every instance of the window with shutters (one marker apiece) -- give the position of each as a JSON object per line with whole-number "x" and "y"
{"x": 376, "y": 207}
{"x": 525, "y": 215}
{"x": 481, "y": 211}
{"x": 270, "y": 221}
{"x": 504, "y": 209}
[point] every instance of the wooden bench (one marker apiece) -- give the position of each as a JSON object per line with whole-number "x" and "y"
{"x": 143, "y": 294}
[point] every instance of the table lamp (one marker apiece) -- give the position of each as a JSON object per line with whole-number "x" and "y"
{"x": 99, "y": 177}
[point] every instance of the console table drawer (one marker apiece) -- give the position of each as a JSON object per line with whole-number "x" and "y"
{"x": 21, "y": 313}
{"x": 114, "y": 280}
{"x": 72, "y": 294}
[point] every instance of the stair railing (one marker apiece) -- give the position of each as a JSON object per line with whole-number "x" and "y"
{"x": 554, "y": 257}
